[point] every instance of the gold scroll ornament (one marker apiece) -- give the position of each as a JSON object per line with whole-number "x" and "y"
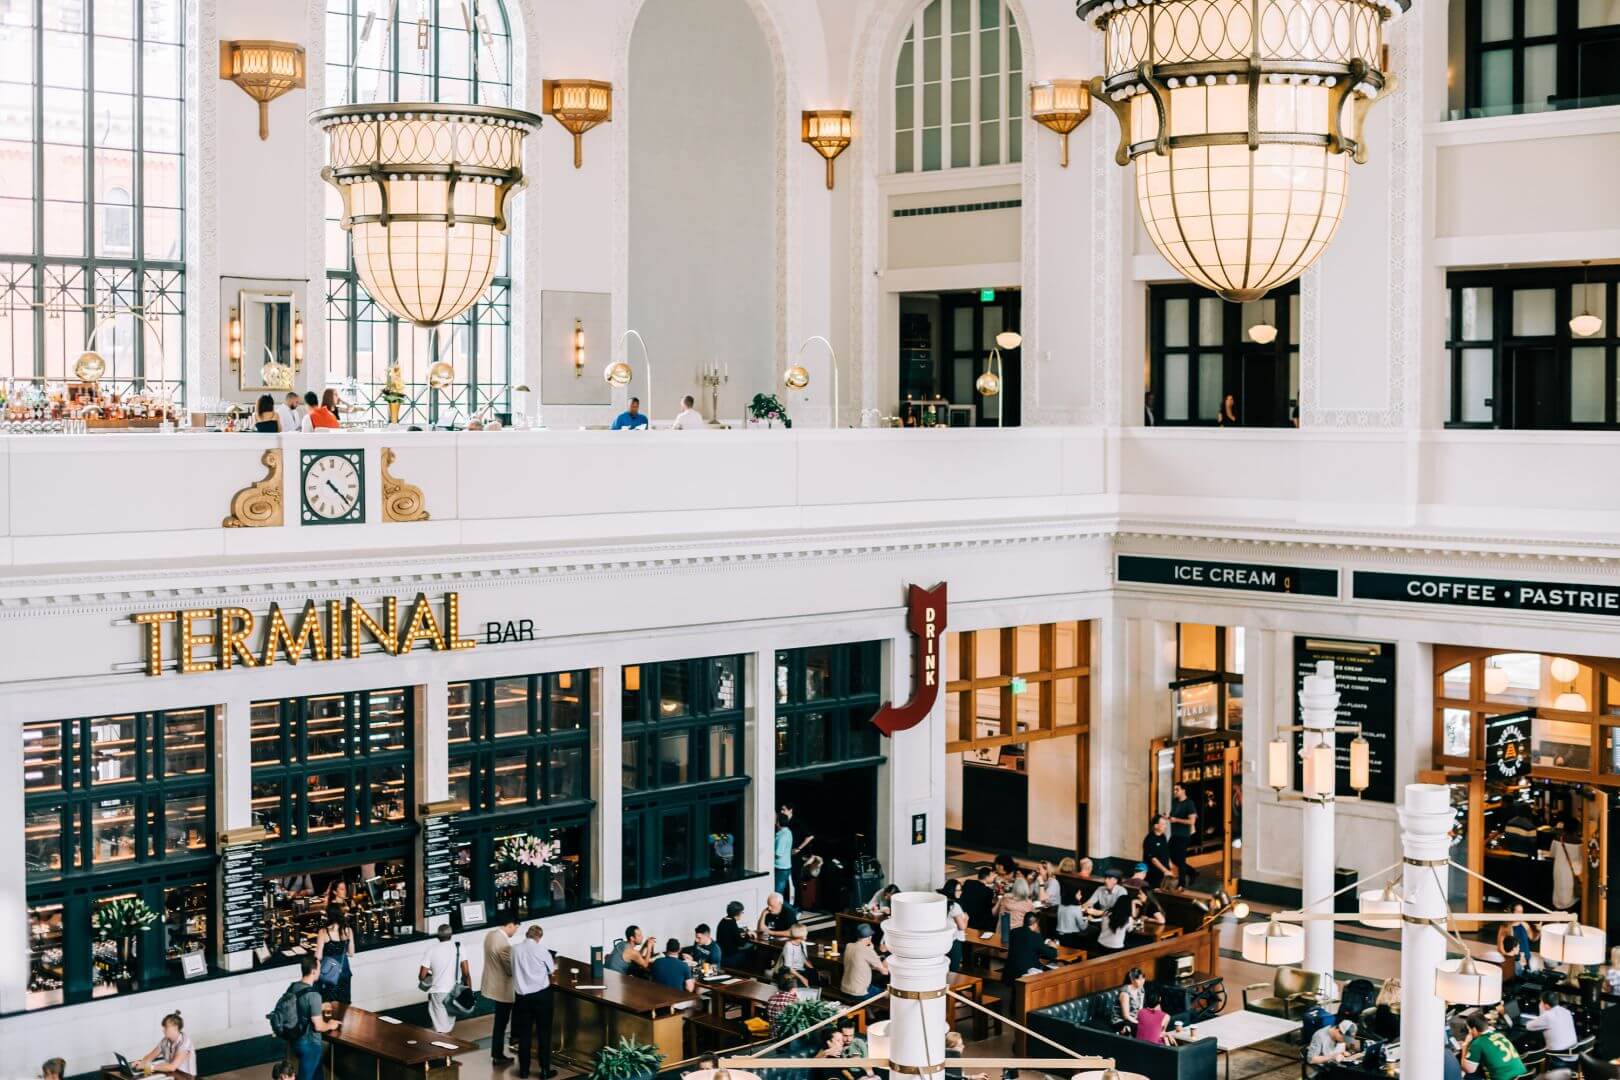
{"x": 401, "y": 501}
{"x": 259, "y": 504}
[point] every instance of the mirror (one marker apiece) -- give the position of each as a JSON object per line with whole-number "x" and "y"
{"x": 270, "y": 329}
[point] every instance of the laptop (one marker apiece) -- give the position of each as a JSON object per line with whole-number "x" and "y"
{"x": 808, "y": 993}
{"x": 125, "y": 1069}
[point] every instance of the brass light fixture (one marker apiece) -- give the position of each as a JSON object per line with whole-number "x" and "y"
{"x": 1060, "y": 105}
{"x": 579, "y": 348}
{"x": 828, "y": 131}
{"x": 1242, "y": 121}
{"x": 989, "y": 384}
{"x": 797, "y": 376}
{"x": 425, "y": 190}
{"x": 578, "y": 105}
{"x": 264, "y": 70}
{"x": 618, "y": 373}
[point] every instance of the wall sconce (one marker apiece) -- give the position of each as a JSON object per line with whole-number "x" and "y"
{"x": 828, "y": 131}
{"x": 264, "y": 70}
{"x": 1060, "y": 105}
{"x": 297, "y": 341}
{"x": 235, "y": 337}
{"x": 578, "y": 105}
{"x": 579, "y": 348}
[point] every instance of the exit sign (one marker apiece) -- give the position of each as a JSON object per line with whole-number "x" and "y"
{"x": 1019, "y": 685}
{"x": 986, "y": 295}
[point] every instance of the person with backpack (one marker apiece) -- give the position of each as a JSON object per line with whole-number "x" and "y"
{"x": 334, "y": 945}
{"x": 298, "y": 1019}
{"x": 440, "y": 966}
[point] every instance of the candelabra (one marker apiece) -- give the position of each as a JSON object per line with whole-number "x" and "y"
{"x": 713, "y": 376}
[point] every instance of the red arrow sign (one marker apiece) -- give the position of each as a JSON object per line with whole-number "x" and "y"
{"x": 925, "y": 618}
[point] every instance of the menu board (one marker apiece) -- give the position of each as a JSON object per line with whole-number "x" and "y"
{"x": 1364, "y": 674}
{"x": 438, "y": 869}
{"x": 242, "y": 896}
{"x": 1507, "y": 746}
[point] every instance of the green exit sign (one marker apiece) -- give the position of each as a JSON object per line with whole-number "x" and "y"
{"x": 1019, "y": 685}
{"x": 986, "y": 295}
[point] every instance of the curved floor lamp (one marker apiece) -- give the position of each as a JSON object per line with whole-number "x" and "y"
{"x": 797, "y": 378}
{"x": 618, "y": 373}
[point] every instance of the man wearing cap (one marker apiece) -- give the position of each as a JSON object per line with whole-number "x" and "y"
{"x": 1105, "y": 895}
{"x": 861, "y": 959}
{"x": 1330, "y": 1044}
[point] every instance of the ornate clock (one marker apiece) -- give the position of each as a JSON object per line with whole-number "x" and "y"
{"x": 334, "y": 487}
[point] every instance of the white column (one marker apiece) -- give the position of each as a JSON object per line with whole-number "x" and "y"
{"x": 912, "y": 781}
{"x": 433, "y": 741}
{"x": 919, "y": 938}
{"x": 233, "y": 795}
{"x": 759, "y": 739}
{"x": 607, "y": 783}
{"x": 1425, "y": 836}
{"x": 1319, "y": 703}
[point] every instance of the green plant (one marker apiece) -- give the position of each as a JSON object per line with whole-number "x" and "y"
{"x": 766, "y": 407}
{"x": 124, "y": 917}
{"x": 629, "y": 1060}
{"x": 393, "y": 390}
{"x": 801, "y": 1016}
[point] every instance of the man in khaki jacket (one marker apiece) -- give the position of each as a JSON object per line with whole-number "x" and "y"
{"x": 495, "y": 983}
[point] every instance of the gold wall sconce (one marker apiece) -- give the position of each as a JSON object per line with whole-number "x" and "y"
{"x": 579, "y": 348}
{"x": 828, "y": 131}
{"x": 235, "y": 337}
{"x": 578, "y": 105}
{"x": 264, "y": 70}
{"x": 1060, "y": 105}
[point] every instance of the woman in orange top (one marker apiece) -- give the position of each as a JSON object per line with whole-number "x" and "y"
{"x": 324, "y": 415}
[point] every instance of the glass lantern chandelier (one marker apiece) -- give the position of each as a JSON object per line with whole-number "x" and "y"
{"x": 1241, "y": 116}
{"x": 425, "y": 190}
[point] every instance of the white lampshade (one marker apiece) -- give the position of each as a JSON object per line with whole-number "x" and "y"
{"x": 1240, "y": 911}
{"x": 1319, "y": 779}
{"x": 1009, "y": 339}
{"x": 1360, "y": 763}
{"x": 1381, "y": 908}
{"x": 1585, "y": 325}
{"x": 1496, "y": 680}
{"x": 424, "y": 189}
{"x": 1276, "y": 943}
{"x": 1563, "y": 669}
{"x": 1572, "y": 943}
{"x": 1570, "y": 701}
{"x": 1279, "y": 764}
{"x": 1262, "y": 333}
{"x": 877, "y": 1040}
{"x": 1463, "y": 982}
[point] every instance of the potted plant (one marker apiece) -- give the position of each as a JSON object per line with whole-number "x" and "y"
{"x": 536, "y": 859}
{"x": 796, "y": 1018}
{"x": 629, "y": 1060}
{"x": 393, "y": 392}
{"x": 766, "y": 409}
{"x": 120, "y": 921}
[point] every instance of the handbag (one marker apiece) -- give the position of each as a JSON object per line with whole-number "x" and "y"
{"x": 463, "y": 999}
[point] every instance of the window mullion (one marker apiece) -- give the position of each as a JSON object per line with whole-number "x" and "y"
{"x": 1004, "y": 85}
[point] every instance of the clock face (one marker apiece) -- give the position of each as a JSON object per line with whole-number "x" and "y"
{"x": 334, "y": 487}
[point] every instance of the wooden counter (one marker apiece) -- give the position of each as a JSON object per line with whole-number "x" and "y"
{"x": 368, "y": 1047}
{"x": 592, "y": 1014}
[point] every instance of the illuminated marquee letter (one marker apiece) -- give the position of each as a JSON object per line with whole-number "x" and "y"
{"x": 235, "y": 624}
{"x": 189, "y": 640}
{"x": 386, "y": 635}
{"x": 422, "y": 625}
{"x": 153, "y": 622}
{"x": 292, "y": 645}
{"x": 925, "y": 618}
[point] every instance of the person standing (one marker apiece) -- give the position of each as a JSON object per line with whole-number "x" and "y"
{"x": 495, "y": 982}
{"x": 631, "y": 419}
{"x": 1183, "y": 826}
{"x": 312, "y": 1021}
{"x": 532, "y": 969}
{"x": 1156, "y": 853}
{"x": 688, "y": 419}
{"x": 782, "y": 863}
{"x": 438, "y": 970}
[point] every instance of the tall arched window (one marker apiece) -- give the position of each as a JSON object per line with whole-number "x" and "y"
{"x": 959, "y": 88}
{"x": 92, "y": 192}
{"x": 416, "y": 50}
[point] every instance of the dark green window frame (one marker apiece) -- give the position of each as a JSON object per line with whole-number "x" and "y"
{"x": 1234, "y": 343}
{"x": 1584, "y": 59}
{"x": 556, "y": 723}
{"x": 824, "y": 721}
{"x": 478, "y": 837}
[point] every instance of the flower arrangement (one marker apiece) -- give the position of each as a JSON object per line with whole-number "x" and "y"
{"x": 527, "y": 850}
{"x": 393, "y": 390}
{"x": 124, "y": 917}
{"x": 767, "y": 407}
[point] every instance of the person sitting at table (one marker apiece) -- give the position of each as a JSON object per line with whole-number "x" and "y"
{"x": 174, "y": 1052}
{"x": 670, "y": 970}
{"x": 704, "y": 949}
{"x": 281, "y": 1070}
{"x": 956, "y": 1047}
{"x": 1456, "y": 1037}
{"x": 786, "y": 994}
{"x": 978, "y": 900}
{"x": 861, "y": 960}
{"x": 1067, "y": 865}
{"x": 1152, "y": 1022}
{"x": 1513, "y": 961}
{"x": 795, "y": 957}
{"x": 1128, "y": 1001}
{"x": 1015, "y": 903}
{"x": 1048, "y": 889}
{"x": 777, "y": 920}
{"x": 1084, "y": 868}
{"x": 634, "y": 950}
{"x": 1148, "y": 909}
{"x": 843, "y": 1042}
{"x": 1557, "y": 1028}
{"x": 1005, "y": 868}
{"x": 1522, "y": 932}
{"x": 882, "y": 898}
{"x": 1026, "y": 952}
{"x": 53, "y": 1069}
{"x": 732, "y": 937}
{"x": 1116, "y": 926}
{"x": 1490, "y": 1050}
{"x": 1104, "y": 896}
{"x": 957, "y": 918}
{"x": 1329, "y": 1045}
{"x": 1071, "y": 917}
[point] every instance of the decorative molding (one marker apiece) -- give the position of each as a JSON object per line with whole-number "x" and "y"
{"x": 259, "y": 505}
{"x": 401, "y": 501}
{"x": 202, "y": 203}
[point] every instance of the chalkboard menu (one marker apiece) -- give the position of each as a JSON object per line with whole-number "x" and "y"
{"x": 438, "y": 871}
{"x": 242, "y": 871}
{"x": 1364, "y": 673}
{"x": 1507, "y": 746}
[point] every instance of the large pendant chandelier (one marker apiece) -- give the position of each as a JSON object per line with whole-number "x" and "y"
{"x": 425, "y": 190}
{"x": 1241, "y": 116}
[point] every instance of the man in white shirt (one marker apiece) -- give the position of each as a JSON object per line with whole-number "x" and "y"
{"x": 532, "y": 968}
{"x": 287, "y": 412}
{"x": 688, "y": 419}
{"x": 1556, "y": 1025}
{"x": 439, "y": 965}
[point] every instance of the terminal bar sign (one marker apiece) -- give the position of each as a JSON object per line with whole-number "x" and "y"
{"x": 925, "y": 618}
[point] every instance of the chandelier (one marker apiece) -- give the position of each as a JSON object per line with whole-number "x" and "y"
{"x": 425, "y": 190}
{"x": 1241, "y": 116}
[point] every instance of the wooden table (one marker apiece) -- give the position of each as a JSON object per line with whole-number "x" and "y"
{"x": 972, "y": 988}
{"x": 114, "y": 1072}
{"x": 592, "y": 1014}
{"x": 994, "y": 944}
{"x": 368, "y": 1047}
{"x": 1239, "y": 1030}
{"x": 750, "y": 993}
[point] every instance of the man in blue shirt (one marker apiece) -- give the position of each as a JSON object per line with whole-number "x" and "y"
{"x": 783, "y": 863}
{"x": 670, "y": 970}
{"x": 631, "y": 418}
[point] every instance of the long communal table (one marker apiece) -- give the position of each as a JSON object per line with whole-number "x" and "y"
{"x": 369, "y": 1046}
{"x": 590, "y": 1014}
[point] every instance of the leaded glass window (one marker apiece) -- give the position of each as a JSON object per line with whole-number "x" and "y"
{"x": 958, "y": 88}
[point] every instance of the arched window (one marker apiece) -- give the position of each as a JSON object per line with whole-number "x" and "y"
{"x": 92, "y": 191}
{"x": 959, "y": 88}
{"x": 416, "y": 50}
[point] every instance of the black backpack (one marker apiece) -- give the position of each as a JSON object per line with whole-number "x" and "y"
{"x": 285, "y": 1021}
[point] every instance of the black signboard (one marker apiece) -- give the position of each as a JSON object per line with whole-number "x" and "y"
{"x": 1500, "y": 593}
{"x": 1239, "y": 577}
{"x": 1507, "y": 746}
{"x": 242, "y": 896}
{"x": 438, "y": 871}
{"x": 1364, "y": 675}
